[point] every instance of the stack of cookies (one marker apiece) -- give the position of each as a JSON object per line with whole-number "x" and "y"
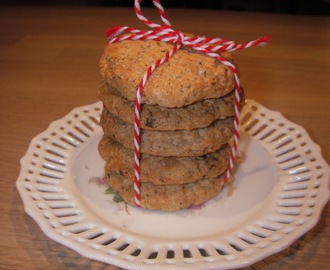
{"x": 186, "y": 124}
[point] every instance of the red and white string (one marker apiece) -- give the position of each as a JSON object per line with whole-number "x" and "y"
{"x": 212, "y": 47}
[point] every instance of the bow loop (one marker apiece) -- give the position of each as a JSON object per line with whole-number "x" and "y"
{"x": 157, "y": 4}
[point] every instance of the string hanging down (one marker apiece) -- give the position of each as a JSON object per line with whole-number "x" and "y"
{"x": 212, "y": 47}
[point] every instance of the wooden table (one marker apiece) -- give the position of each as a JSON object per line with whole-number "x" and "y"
{"x": 49, "y": 65}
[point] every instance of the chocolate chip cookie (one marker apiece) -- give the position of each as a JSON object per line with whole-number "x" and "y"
{"x": 186, "y": 78}
{"x": 163, "y": 170}
{"x": 196, "y": 142}
{"x": 197, "y": 115}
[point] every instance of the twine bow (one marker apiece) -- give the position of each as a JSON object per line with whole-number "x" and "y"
{"x": 212, "y": 47}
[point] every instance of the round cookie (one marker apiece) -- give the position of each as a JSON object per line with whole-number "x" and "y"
{"x": 163, "y": 170}
{"x": 167, "y": 197}
{"x": 198, "y": 115}
{"x": 186, "y": 78}
{"x": 196, "y": 142}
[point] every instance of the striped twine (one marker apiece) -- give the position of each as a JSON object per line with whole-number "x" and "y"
{"x": 212, "y": 47}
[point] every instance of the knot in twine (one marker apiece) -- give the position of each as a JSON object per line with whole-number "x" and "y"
{"x": 212, "y": 47}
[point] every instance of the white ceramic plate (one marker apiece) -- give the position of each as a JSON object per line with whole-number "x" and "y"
{"x": 281, "y": 187}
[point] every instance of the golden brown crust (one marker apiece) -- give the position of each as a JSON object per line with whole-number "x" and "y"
{"x": 163, "y": 170}
{"x": 186, "y": 78}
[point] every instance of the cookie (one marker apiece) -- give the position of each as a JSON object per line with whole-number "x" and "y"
{"x": 186, "y": 78}
{"x": 163, "y": 170}
{"x": 196, "y": 142}
{"x": 198, "y": 115}
{"x": 167, "y": 197}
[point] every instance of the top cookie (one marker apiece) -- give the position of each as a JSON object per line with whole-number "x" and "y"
{"x": 187, "y": 77}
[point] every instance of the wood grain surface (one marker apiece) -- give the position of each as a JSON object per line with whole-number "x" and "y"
{"x": 49, "y": 65}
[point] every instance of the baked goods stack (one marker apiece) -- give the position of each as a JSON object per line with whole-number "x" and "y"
{"x": 186, "y": 123}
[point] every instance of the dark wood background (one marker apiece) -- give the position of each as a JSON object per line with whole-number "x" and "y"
{"x": 306, "y": 7}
